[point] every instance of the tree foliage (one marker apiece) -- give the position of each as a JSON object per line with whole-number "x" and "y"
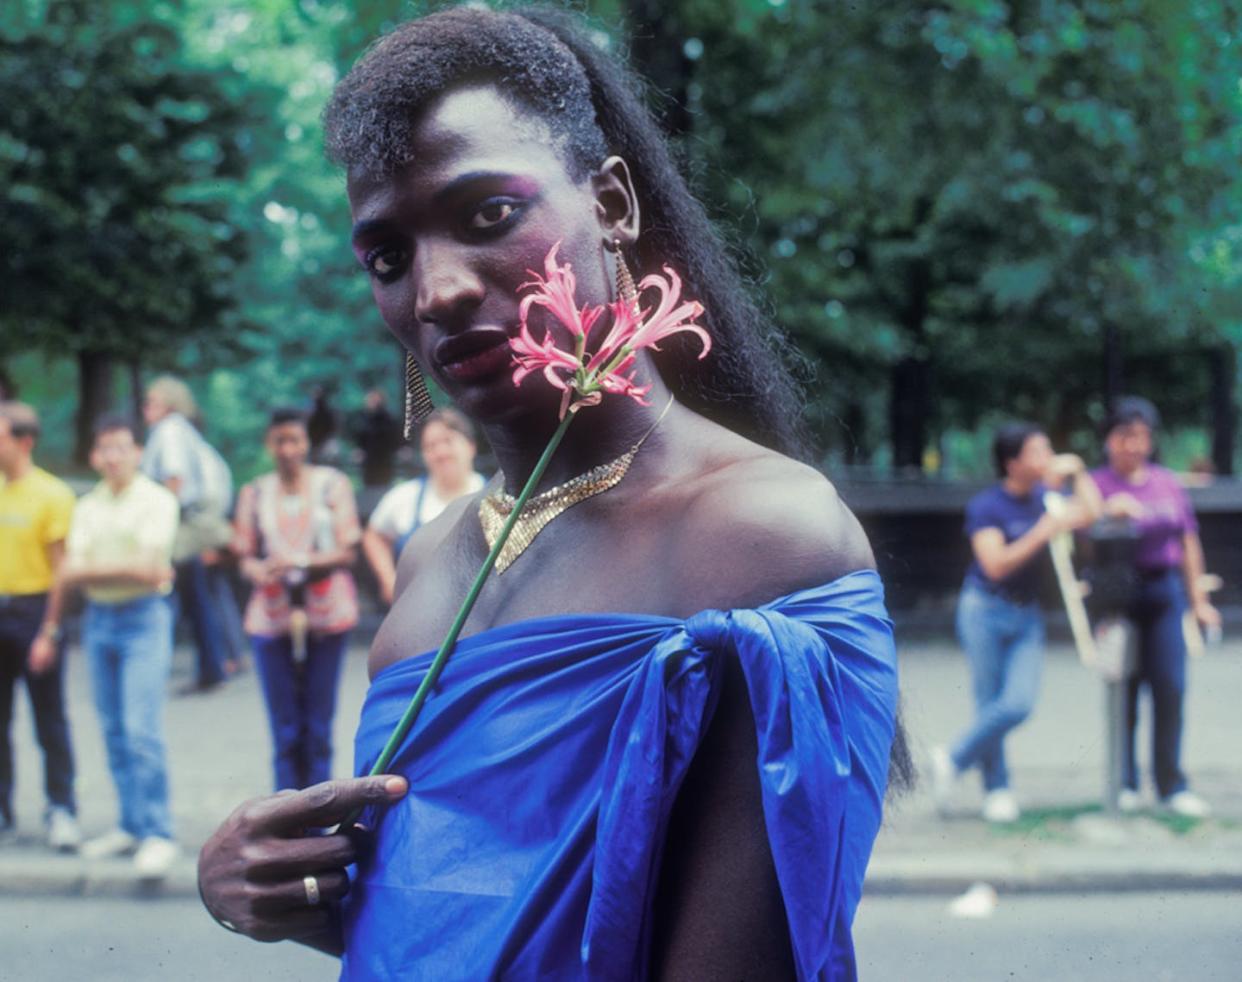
{"x": 120, "y": 165}
{"x": 957, "y": 209}
{"x": 958, "y": 201}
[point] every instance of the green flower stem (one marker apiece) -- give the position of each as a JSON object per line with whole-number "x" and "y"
{"x": 402, "y": 729}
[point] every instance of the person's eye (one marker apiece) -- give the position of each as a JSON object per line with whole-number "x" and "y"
{"x": 493, "y": 213}
{"x": 384, "y": 262}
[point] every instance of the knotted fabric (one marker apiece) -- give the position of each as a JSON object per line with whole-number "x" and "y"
{"x": 545, "y": 766}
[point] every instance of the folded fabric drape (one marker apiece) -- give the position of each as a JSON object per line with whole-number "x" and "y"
{"x": 544, "y": 768}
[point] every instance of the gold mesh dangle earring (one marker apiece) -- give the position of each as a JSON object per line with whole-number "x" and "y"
{"x": 417, "y": 399}
{"x": 626, "y": 290}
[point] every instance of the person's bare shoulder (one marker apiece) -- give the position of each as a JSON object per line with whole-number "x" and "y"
{"x": 764, "y": 526}
{"x": 426, "y": 542}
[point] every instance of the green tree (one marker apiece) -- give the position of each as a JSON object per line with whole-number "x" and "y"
{"x": 973, "y": 205}
{"x": 119, "y": 164}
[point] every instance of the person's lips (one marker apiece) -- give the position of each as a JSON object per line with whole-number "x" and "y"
{"x": 474, "y": 354}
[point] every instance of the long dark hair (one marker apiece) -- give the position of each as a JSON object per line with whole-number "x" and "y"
{"x": 544, "y": 60}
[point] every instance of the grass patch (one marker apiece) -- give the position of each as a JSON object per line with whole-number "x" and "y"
{"x": 1056, "y": 822}
{"x": 1177, "y": 824}
{"x": 1047, "y": 823}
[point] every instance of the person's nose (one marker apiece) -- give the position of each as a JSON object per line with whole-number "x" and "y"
{"x": 448, "y": 287}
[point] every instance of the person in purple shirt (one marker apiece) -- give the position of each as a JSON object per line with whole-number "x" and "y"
{"x": 1169, "y": 563}
{"x": 999, "y": 623}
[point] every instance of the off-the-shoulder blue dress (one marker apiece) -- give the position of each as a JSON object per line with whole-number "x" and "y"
{"x": 543, "y": 770}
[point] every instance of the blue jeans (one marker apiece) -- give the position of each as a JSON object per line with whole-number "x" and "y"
{"x": 129, "y": 649}
{"x": 198, "y": 599}
{"x": 20, "y": 619}
{"x": 300, "y": 702}
{"x": 1157, "y": 616}
{"x": 1004, "y": 643}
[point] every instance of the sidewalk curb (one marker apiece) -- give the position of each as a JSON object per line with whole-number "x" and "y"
{"x": 1085, "y": 882}
{"x": 70, "y": 876}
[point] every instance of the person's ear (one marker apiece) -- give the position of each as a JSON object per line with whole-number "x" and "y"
{"x": 616, "y": 204}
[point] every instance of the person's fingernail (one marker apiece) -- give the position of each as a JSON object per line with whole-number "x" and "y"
{"x": 395, "y": 786}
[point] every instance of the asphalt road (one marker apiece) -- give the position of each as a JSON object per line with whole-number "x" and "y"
{"x": 1155, "y": 937}
{"x": 1100, "y": 938}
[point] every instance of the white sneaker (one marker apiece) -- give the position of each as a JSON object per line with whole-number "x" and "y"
{"x": 1188, "y": 805}
{"x": 118, "y": 842}
{"x": 1129, "y": 801}
{"x": 943, "y": 777}
{"x": 63, "y": 833}
{"x": 1000, "y": 806}
{"x": 155, "y": 857}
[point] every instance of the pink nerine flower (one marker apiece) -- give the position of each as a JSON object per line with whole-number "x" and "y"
{"x": 609, "y": 366}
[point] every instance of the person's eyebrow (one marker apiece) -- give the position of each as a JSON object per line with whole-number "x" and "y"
{"x": 452, "y": 188}
{"x": 470, "y": 177}
{"x": 366, "y": 225}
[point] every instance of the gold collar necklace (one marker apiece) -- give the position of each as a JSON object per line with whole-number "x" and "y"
{"x": 496, "y": 506}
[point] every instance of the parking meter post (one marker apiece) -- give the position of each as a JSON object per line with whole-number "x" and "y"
{"x": 1113, "y": 546}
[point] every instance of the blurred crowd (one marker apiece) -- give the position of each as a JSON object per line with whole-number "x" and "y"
{"x": 162, "y": 538}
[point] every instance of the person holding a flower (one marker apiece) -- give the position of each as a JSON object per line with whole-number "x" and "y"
{"x": 661, "y": 744}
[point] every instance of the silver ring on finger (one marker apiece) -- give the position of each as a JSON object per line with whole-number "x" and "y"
{"x": 311, "y": 886}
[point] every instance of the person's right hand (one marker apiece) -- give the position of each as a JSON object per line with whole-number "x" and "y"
{"x": 257, "y": 571}
{"x": 252, "y": 871}
{"x": 42, "y": 654}
{"x": 1124, "y": 505}
{"x": 1053, "y": 525}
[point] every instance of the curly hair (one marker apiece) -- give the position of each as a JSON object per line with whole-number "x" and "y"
{"x": 544, "y": 61}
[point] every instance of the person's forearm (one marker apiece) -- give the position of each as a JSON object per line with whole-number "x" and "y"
{"x": 1013, "y": 556}
{"x": 326, "y": 562}
{"x": 1193, "y": 567}
{"x": 55, "y": 594}
{"x": 51, "y": 613}
{"x": 1086, "y": 499}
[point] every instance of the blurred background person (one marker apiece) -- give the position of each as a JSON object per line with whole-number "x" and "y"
{"x": 1169, "y": 567}
{"x": 378, "y": 436}
{"x": 448, "y": 447}
{"x": 999, "y": 622}
{"x": 296, "y": 531}
{"x": 321, "y": 427}
{"x": 35, "y": 512}
{"x": 120, "y": 550}
{"x": 177, "y": 456}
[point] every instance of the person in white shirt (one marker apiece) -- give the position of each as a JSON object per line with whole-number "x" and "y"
{"x": 119, "y": 552}
{"x": 448, "y": 448}
{"x": 177, "y": 456}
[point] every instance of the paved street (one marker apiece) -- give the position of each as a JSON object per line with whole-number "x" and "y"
{"x": 218, "y": 745}
{"x": 116, "y": 940}
{"x": 220, "y": 750}
{"x": 1160, "y": 937}
{"x": 1152, "y": 937}
{"x": 75, "y": 919}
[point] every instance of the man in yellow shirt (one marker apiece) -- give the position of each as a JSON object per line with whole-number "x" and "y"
{"x": 35, "y": 510}
{"x": 120, "y": 552}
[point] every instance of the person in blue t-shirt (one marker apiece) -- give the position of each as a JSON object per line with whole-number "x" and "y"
{"x": 999, "y": 623}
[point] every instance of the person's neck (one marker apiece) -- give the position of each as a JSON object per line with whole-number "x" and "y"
{"x": 117, "y": 485}
{"x": 291, "y": 480}
{"x": 1134, "y": 475}
{"x": 1017, "y": 488}
{"x": 453, "y": 486}
{"x": 604, "y": 433}
{"x": 21, "y": 467}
